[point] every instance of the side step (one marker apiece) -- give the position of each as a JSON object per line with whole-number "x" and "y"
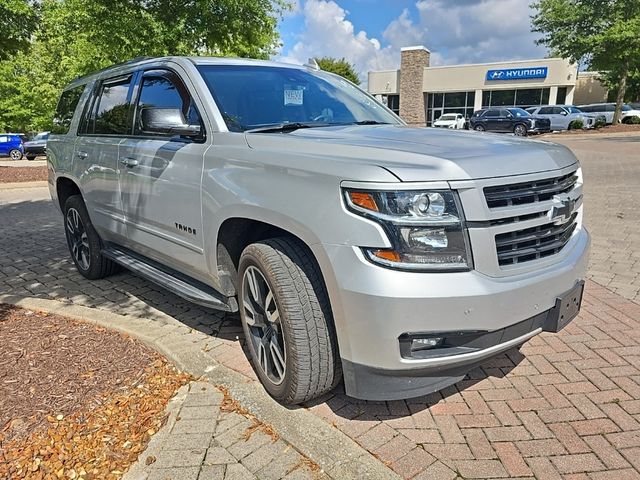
{"x": 183, "y": 286}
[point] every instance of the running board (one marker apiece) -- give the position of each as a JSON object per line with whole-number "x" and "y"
{"x": 183, "y": 286}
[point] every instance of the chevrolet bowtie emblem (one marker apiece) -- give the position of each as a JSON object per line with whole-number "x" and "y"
{"x": 562, "y": 209}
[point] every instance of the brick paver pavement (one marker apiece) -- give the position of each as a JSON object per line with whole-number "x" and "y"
{"x": 566, "y": 406}
{"x": 611, "y": 167}
{"x": 203, "y": 441}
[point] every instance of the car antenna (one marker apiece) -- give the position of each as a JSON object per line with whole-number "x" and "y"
{"x": 311, "y": 63}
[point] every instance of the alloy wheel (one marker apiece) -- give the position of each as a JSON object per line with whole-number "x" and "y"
{"x": 520, "y": 130}
{"x": 15, "y": 155}
{"x": 78, "y": 240}
{"x": 265, "y": 327}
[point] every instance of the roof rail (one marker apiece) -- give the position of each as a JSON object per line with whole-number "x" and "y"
{"x": 116, "y": 65}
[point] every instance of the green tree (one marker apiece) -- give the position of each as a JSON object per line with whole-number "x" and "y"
{"x": 76, "y": 37}
{"x": 340, "y": 67}
{"x": 600, "y": 33}
{"x": 17, "y": 21}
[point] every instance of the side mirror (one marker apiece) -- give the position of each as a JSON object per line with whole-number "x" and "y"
{"x": 564, "y": 113}
{"x": 167, "y": 121}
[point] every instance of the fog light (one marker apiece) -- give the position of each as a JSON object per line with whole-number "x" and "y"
{"x": 418, "y": 344}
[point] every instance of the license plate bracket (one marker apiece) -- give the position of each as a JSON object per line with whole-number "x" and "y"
{"x": 566, "y": 309}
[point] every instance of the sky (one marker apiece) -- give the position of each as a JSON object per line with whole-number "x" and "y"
{"x": 370, "y": 33}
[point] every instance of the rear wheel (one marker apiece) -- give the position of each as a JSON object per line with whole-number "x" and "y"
{"x": 287, "y": 321}
{"x": 479, "y": 128}
{"x": 84, "y": 243}
{"x": 31, "y": 157}
{"x": 15, "y": 154}
{"x": 520, "y": 130}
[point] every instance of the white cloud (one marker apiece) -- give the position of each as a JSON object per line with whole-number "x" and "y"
{"x": 329, "y": 33}
{"x": 456, "y": 31}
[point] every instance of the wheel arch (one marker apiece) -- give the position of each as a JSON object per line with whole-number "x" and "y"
{"x": 66, "y": 187}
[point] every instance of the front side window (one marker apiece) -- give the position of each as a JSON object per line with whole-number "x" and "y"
{"x": 254, "y": 96}
{"x": 65, "y": 109}
{"x": 492, "y": 113}
{"x": 163, "y": 89}
{"x": 546, "y": 111}
{"x": 518, "y": 112}
{"x": 111, "y": 115}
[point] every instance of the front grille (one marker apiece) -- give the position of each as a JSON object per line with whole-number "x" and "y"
{"x": 529, "y": 192}
{"x": 534, "y": 243}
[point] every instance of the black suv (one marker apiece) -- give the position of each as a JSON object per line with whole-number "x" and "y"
{"x": 515, "y": 120}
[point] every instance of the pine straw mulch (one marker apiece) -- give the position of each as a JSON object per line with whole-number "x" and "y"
{"x": 22, "y": 174}
{"x": 76, "y": 401}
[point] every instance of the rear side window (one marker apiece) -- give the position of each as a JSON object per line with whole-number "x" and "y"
{"x": 164, "y": 89}
{"x": 65, "y": 109}
{"x": 492, "y": 113}
{"x": 110, "y": 112}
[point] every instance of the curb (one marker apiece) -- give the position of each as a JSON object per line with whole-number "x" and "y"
{"x": 338, "y": 455}
{"x": 17, "y": 185}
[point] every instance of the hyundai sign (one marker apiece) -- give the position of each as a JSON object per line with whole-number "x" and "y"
{"x": 517, "y": 73}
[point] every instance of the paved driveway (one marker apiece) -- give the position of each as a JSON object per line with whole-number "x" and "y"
{"x": 568, "y": 404}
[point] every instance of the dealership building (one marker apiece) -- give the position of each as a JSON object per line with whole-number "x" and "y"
{"x": 420, "y": 93}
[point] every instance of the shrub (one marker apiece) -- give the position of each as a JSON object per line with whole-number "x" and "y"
{"x": 632, "y": 120}
{"x": 576, "y": 125}
{"x": 599, "y": 123}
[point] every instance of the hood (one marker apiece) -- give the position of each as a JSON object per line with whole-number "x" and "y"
{"x": 419, "y": 154}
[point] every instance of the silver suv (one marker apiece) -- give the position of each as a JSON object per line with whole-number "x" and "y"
{"x": 353, "y": 246}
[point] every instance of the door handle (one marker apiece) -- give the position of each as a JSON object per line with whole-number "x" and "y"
{"x": 82, "y": 154}
{"x": 129, "y": 162}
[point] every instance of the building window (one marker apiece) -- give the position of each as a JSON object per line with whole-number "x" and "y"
{"x": 525, "y": 97}
{"x": 393, "y": 102}
{"x": 438, "y": 104}
{"x": 562, "y": 96}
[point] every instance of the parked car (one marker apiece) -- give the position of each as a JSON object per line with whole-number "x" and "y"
{"x": 11, "y": 146}
{"x": 515, "y": 120}
{"x": 562, "y": 117}
{"x": 353, "y": 246}
{"x": 450, "y": 120}
{"x": 36, "y": 146}
{"x": 608, "y": 109}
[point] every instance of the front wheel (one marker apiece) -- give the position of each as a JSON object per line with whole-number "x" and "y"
{"x": 15, "y": 154}
{"x": 31, "y": 157}
{"x": 83, "y": 241}
{"x": 520, "y": 130}
{"x": 479, "y": 128}
{"x": 287, "y": 321}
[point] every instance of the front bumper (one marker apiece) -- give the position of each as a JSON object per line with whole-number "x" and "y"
{"x": 34, "y": 150}
{"x": 374, "y": 307}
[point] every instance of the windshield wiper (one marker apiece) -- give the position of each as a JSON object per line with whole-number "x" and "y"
{"x": 370, "y": 122}
{"x": 285, "y": 127}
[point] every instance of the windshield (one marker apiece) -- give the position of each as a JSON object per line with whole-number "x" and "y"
{"x": 626, "y": 108}
{"x": 574, "y": 109}
{"x": 447, "y": 117}
{"x": 518, "y": 112}
{"x": 41, "y": 136}
{"x": 254, "y": 96}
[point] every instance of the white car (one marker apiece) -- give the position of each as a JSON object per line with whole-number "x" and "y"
{"x": 450, "y": 120}
{"x": 608, "y": 109}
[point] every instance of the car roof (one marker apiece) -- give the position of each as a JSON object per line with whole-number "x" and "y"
{"x": 141, "y": 61}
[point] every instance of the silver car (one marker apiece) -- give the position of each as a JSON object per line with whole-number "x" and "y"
{"x": 608, "y": 110}
{"x": 563, "y": 116}
{"x": 354, "y": 247}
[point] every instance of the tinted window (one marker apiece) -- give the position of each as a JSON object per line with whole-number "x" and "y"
{"x": 546, "y": 111}
{"x": 586, "y": 109}
{"x": 252, "y": 96}
{"x": 163, "y": 89}
{"x": 558, "y": 110}
{"x": 609, "y": 108}
{"x": 111, "y": 115}
{"x": 65, "y": 109}
{"x": 492, "y": 113}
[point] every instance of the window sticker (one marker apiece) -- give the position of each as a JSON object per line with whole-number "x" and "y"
{"x": 293, "y": 97}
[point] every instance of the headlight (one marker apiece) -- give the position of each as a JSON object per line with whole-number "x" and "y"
{"x": 426, "y": 228}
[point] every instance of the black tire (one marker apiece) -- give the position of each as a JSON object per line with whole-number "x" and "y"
{"x": 15, "y": 154}
{"x": 85, "y": 240}
{"x": 304, "y": 322}
{"x": 520, "y": 130}
{"x": 31, "y": 157}
{"x": 479, "y": 128}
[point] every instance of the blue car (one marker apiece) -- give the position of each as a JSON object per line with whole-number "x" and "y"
{"x": 11, "y": 146}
